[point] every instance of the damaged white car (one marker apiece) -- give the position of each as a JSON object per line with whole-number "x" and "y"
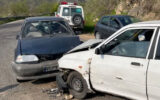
{"x": 125, "y": 64}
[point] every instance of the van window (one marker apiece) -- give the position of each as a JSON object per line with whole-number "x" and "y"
{"x": 66, "y": 11}
{"x": 76, "y": 11}
{"x": 131, "y": 43}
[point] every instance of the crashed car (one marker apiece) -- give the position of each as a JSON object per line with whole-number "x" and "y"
{"x": 126, "y": 64}
{"x": 41, "y": 42}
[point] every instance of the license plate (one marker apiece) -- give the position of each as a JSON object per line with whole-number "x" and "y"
{"x": 49, "y": 69}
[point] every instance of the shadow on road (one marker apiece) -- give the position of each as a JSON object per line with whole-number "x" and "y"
{"x": 44, "y": 81}
{"x": 8, "y": 87}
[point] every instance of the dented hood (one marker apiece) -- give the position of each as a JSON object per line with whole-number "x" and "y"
{"x": 86, "y": 45}
{"x": 49, "y": 45}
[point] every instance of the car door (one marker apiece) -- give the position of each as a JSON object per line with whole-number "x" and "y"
{"x": 153, "y": 80}
{"x": 121, "y": 68}
{"x": 103, "y": 27}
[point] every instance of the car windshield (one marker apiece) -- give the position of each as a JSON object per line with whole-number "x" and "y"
{"x": 46, "y": 28}
{"x": 128, "y": 20}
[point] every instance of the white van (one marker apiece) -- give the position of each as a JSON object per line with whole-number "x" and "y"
{"x": 73, "y": 13}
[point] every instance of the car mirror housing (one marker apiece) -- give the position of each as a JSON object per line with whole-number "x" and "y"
{"x": 99, "y": 50}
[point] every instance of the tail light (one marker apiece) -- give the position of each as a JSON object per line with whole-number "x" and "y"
{"x": 75, "y": 3}
{"x": 64, "y": 3}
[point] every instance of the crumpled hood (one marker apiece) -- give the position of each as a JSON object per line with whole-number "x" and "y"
{"x": 86, "y": 45}
{"x": 48, "y": 45}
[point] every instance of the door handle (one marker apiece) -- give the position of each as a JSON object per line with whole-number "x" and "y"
{"x": 136, "y": 64}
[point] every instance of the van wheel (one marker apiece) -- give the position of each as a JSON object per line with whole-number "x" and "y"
{"x": 97, "y": 36}
{"x": 77, "y": 85}
{"x": 77, "y": 19}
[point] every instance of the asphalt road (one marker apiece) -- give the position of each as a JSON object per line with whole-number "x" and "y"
{"x": 32, "y": 90}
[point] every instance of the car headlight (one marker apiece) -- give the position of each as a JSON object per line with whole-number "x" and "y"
{"x": 26, "y": 58}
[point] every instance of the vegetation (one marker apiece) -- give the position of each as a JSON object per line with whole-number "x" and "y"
{"x": 94, "y": 9}
{"x": 26, "y": 7}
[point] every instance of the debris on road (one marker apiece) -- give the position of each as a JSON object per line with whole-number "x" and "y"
{"x": 55, "y": 92}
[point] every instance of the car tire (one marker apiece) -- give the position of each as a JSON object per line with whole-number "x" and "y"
{"x": 77, "y": 85}
{"x": 77, "y": 19}
{"x": 97, "y": 35}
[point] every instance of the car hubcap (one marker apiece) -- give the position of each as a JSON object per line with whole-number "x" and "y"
{"x": 77, "y": 85}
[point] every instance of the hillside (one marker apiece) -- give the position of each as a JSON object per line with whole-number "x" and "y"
{"x": 144, "y": 9}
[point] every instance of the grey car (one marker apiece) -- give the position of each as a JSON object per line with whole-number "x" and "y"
{"x": 108, "y": 25}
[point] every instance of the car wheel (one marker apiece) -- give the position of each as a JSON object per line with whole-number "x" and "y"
{"x": 77, "y": 85}
{"x": 77, "y": 19}
{"x": 97, "y": 36}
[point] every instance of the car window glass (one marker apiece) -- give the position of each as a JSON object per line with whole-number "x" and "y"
{"x": 45, "y": 28}
{"x": 131, "y": 43}
{"x": 66, "y": 11}
{"x": 114, "y": 23}
{"x": 158, "y": 51}
{"x": 128, "y": 20}
{"x": 76, "y": 11}
{"x": 105, "y": 21}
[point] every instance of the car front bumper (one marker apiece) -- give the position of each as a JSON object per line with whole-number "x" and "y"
{"x": 35, "y": 71}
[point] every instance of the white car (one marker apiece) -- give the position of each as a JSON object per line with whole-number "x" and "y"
{"x": 73, "y": 13}
{"x": 126, "y": 64}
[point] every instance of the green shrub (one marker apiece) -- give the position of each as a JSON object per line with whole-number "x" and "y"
{"x": 46, "y": 7}
{"x": 19, "y": 8}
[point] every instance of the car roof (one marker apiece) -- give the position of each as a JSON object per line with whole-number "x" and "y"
{"x": 77, "y": 6}
{"x": 117, "y": 16}
{"x": 44, "y": 18}
{"x": 146, "y": 23}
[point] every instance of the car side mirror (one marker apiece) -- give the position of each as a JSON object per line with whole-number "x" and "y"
{"x": 100, "y": 50}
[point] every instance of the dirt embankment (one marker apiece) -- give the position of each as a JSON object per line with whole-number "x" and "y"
{"x": 144, "y": 9}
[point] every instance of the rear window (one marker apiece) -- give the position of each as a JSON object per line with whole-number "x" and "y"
{"x": 76, "y": 11}
{"x": 46, "y": 28}
{"x": 66, "y": 11}
{"x": 71, "y": 11}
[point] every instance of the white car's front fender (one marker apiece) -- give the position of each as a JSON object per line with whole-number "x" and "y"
{"x": 78, "y": 62}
